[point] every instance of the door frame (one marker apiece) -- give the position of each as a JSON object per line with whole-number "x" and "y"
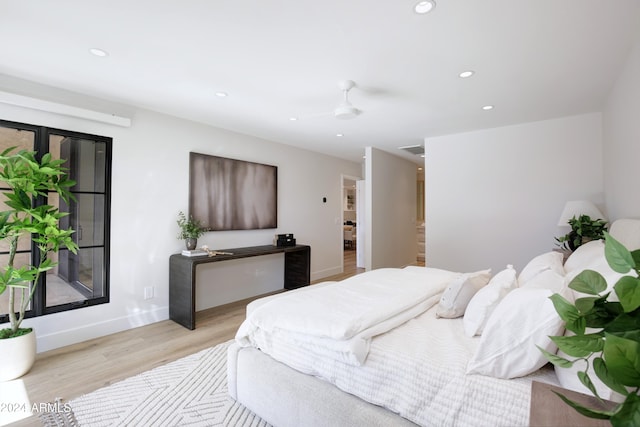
{"x": 343, "y": 178}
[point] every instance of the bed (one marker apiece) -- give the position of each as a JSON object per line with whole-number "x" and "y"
{"x": 410, "y": 346}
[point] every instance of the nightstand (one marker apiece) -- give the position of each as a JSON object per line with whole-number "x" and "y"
{"x": 548, "y": 410}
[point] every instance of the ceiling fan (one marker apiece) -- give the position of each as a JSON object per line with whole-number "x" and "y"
{"x": 344, "y": 110}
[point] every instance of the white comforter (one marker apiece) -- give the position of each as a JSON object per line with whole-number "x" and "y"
{"x": 361, "y": 307}
{"x": 417, "y": 369}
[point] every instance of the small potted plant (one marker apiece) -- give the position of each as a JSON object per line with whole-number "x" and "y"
{"x": 583, "y": 230}
{"x": 190, "y": 230}
{"x": 607, "y": 334}
{"x": 27, "y": 179}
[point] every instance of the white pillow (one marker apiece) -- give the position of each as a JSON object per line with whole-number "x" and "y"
{"x": 523, "y": 319}
{"x": 547, "y": 261}
{"x": 459, "y": 292}
{"x": 486, "y": 300}
{"x": 547, "y": 279}
{"x": 588, "y": 254}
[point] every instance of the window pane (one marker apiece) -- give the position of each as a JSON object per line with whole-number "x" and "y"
{"x": 22, "y": 140}
{"x": 20, "y": 260}
{"x": 90, "y": 220}
{"x": 77, "y": 277}
{"x": 24, "y": 242}
{"x": 85, "y": 161}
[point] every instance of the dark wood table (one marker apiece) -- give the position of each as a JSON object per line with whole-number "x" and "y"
{"x": 182, "y": 275}
{"x": 548, "y": 410}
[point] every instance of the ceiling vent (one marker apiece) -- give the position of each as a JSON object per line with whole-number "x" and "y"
{"x": 413, "y": 149}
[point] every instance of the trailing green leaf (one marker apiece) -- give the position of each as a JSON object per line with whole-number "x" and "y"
{"x": 600, "y": 368}
{"x": 624, "y": 324}
{"x": 565, "y": 309}
{"x": 603, "y": 313}
{"x": 579, "y": 345}
{"x": 589, "y": 282}
{"x": 628, "y": 414}
{"x": 555, "y": 359}
{"x": 628, "y": 291}
{"x": 585, "y": 305}
{"x": 623, "y": 359}
{"x": 636, "y": 256}
{"x": 618, "y": 257}
{"x": 587, "y": 412}
{"x": 586, "y": 381}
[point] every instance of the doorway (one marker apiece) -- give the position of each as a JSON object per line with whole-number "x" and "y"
{"x": 351, "y": 232}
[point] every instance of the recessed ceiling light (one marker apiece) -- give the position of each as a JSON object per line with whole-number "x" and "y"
{"x": 425, "y": 6}
{"x": 293, "y": 119}
{"x": 222, "y": 94}
{"x": 487, "y": 107}
{"x": 466, "y": 74}
{"x": 98, "y": 52}
{"x": 339, "y": 135}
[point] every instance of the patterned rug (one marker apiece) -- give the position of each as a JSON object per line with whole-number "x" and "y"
{"x": 191, "y": 391}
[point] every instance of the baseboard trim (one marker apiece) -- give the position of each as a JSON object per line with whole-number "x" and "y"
{"x": 318, "y": 275}
{"x": 99, "y": 329}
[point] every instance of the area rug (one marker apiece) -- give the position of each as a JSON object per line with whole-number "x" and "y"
{"x": 191, "y": 391}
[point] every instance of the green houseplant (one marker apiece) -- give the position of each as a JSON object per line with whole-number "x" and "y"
{"x": 612, "y": 344}
{"x": 583, "y": 229}
{"x": 190, "y": 230}
{"x": 27, "y": 179}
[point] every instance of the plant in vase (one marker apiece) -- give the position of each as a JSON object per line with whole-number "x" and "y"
{"x": 27, "y": 179}
{"x": 611, "y": 345}
{"x": 583, "y": 229}
{"x": 190, "y": 230}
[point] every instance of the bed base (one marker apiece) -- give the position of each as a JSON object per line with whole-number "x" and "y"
{"x": 284, "y": 397}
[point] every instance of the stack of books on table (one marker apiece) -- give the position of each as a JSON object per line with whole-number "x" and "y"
{"x": 194, "y": 252}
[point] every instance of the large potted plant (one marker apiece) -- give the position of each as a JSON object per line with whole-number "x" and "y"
{"x": 583, "y": 229}
{"x": 607, "y": 334}
{"x": 29, "y": 180}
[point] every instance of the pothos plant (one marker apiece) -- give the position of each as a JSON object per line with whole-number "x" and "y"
{"x": 611, "y": 345}
{"x": 27, "y": 178}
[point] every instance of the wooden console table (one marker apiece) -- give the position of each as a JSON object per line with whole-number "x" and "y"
{"x": 182, "y": 275}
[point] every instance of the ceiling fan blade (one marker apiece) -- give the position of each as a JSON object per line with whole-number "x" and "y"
{"x": 312, "y": 115}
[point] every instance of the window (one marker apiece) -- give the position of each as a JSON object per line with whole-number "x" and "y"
{"x": 80, "y": 279}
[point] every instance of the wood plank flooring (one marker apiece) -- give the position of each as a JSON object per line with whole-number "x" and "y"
{"x": 81, "y": 368}
{"x": 78, "y": 369}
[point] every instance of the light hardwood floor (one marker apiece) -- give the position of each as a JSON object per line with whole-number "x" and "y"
{"x": 78, "y": 369}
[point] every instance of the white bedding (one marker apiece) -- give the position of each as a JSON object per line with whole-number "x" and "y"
{"x": 416, "y": 369}
{"x": 362, "y": 307}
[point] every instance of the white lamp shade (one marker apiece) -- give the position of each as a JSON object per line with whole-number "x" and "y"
{"x": 577, "y": 208}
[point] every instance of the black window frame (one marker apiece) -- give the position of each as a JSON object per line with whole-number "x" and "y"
{"x": 42, "y": 136}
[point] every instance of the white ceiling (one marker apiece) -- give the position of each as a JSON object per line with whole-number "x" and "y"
{"x": 533, "y": 59}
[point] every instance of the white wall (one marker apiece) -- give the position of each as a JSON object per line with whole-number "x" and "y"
{"x": 149, "y": 187}
{"x": 621, "y": 125}
{"x": 493, "y": 197}
{"x": 390, "y": 193}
